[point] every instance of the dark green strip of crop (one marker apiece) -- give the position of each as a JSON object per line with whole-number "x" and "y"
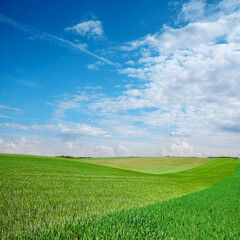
{"x": 41, "y": 192}
{"x": 213, "y": 213}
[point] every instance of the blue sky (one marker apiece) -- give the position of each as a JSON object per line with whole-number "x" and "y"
{"x": 120, "y": 78}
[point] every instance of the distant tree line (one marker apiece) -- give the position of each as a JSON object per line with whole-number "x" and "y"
{"x": 63, "y": 156}
{"x": 225, "y": 157}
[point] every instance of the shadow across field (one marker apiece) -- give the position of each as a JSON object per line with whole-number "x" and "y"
{"x": 212, "y": 213}
{"x": 153, "y": 165}
{"x": 38, "y": 193}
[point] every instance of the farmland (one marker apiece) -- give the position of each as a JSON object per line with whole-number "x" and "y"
{"x": 154, "y": 165}
{"x": 47, "y": 197}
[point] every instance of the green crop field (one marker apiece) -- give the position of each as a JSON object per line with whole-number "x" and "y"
{"x": 154, "y": 165}
{"x": 47, "y": 197}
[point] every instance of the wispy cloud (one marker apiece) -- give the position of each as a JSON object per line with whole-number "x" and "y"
{"x": 46, "y": 36}
{"x": 70, "y": 102}
{"x": 4, "y": 116}
{"x": 5, "y": 111}
{"x": 90, "y": 29}
{"x": 68, "y": 131}
{"x": 78, "y": 101}
{"x": 10, "y": 108}
{"x": 27, "y": 83}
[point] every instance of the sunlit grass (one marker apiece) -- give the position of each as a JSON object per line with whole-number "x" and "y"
{"x": 208, "y": 214}
{"x": 41, "y": 192}
{"x": 156, "y": 165}
{"x": 161, "y": 169}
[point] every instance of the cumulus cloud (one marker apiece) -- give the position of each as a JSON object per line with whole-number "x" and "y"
{"x": 108, "y": 151}
{"x": 190, "y": 80}
{"x": 182, "y": 149}
{"x": 192, "y": 11}
{"x": 191, "y": 36}
{"x": 228, "y": 6}
{"x": 90, "y": 29}
{"x": 95, "y": 66}
{"x": 49, "y": 146}
{"x": 190, "y": 74}
{"x": 17, "y": 144}
{"x": 122, "y": 151}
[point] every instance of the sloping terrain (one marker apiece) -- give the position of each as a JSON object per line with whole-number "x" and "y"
{"x": 154, "y": 165}
{"x": 38, "y": 193}
{"x": 212, "y": 213}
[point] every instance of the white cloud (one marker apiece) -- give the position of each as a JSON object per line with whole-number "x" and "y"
{"x": 18, "y": 145}
{"x": 93, "y": 88}
{"x": 75, "y": 131}
{"x": 190, "y": 36}
{"x": 13, "y": 126}
{"x": 163, "y": 146}
{"x": 47, "y": 127}
{"x": 181, "y": 149}
{"x": 104, "y": 151}
{"x": 95, "y": 66}
{"x": 178, "y": 134}
{"x": 68, "y": 131}
{"x": 91, "y": 29}
{"x": 188, "y": 103}
{"x": 192, "y": 11}
{"x": 228, "y": 5}
{"x": 199, "y": 10}
{"x": 130, "y": 62}
{"x": 53, "y": 147}
{"x": 190, "y": 80}
{"x": 108, "y": 151}
{"x": 5, "y": 116}
{"x": 51, "y": 38}
{"x": 69, "y": 145}
{"x": 122, "y": 151}
{"x": 62, "y": 106}
{"x": 192, "y": 77}
{"x": 82, "y": 45}
{"x": 190, "y": 83}
{"x": 4, "y": 107}
{"x": 78, "y": 101}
